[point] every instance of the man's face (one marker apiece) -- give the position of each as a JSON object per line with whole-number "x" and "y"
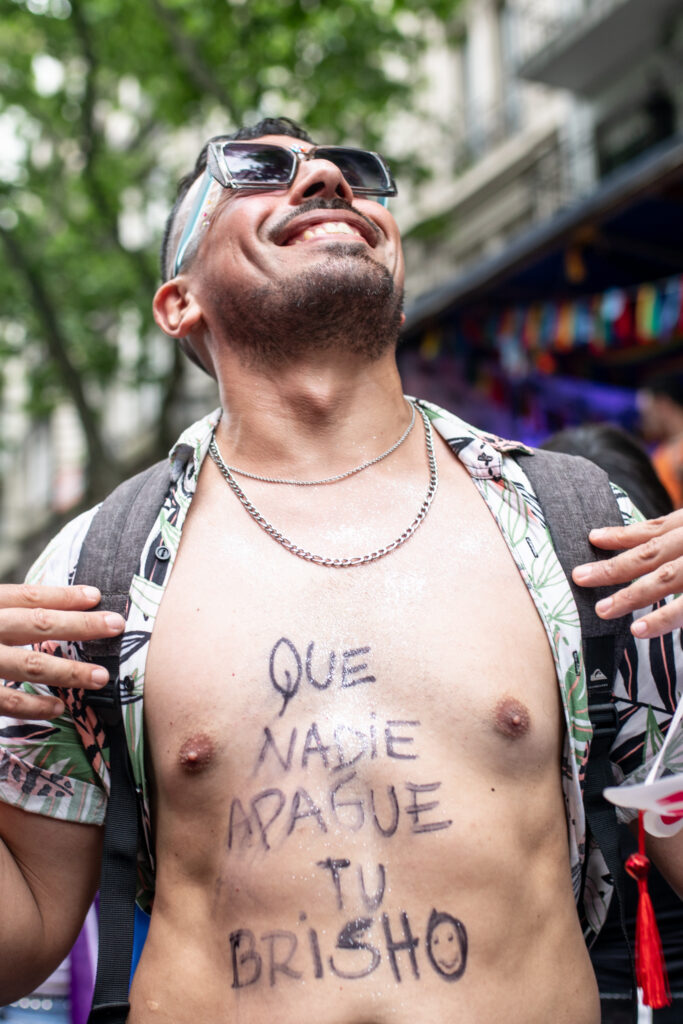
{"x": 254, "y": 237}
{"x": 298, "y": 264}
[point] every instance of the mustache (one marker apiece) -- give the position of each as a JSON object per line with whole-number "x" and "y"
{"x": 324, "y": 204}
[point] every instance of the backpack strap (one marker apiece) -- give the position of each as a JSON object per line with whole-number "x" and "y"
{"x": 575, "y": 496}
{"x": 109, "y": 558}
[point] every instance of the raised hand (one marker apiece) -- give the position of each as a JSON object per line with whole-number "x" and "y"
{"x": 32, "y": 614}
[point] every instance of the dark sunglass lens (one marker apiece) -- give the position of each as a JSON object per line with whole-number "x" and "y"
{"x": 257, "y": 163}
{"x": 360, "y": 168}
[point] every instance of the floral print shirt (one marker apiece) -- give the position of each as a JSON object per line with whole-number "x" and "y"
{"x": 59, "y": 768}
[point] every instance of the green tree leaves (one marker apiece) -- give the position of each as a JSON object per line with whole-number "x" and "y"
{"x": 103, "y": 104}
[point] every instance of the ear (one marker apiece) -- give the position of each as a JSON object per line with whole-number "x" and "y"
{"x": 403, "y": 319}
{"x": 176, "y": 309}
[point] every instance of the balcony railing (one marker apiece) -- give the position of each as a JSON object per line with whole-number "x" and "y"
{"x": 485, "y": 130}
{"x": 585, "y": 45}
{"x": 539, "y": 23}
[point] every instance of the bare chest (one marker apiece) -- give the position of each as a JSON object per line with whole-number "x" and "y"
{"x": 350, "y": 766}
{"x": 262, "y": 664}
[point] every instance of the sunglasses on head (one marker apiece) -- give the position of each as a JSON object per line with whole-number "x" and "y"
{"x": 261, "y": 165}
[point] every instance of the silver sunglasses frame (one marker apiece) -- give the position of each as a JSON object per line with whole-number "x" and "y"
{"x": 218, "y": 166}
{"x": 217, "y": 170}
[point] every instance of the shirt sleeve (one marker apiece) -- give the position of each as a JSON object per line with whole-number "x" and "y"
{"x": 647, "y": 689}
{"x": 58, "y": 767}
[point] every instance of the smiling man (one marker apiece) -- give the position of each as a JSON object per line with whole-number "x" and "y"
{"x": 364, "y": 724}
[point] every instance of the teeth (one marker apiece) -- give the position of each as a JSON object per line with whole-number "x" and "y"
{"x": 329, "y": 227}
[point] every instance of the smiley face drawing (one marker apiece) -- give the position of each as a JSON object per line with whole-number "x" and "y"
{"x": 446, "y": 944}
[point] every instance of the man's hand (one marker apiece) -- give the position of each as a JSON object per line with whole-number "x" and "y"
{"x": 652, "y": 557}
{"x": 33, "y": 614}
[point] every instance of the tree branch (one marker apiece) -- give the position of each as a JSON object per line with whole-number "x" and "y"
{"x": 191, "y": 59}
{"x": 89, "y": 146}
{"x": 101, "y": 465}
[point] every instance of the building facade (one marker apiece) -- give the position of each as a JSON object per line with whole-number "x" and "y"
{"x": 546, "y": 98}
{"x": 566, "y": 212}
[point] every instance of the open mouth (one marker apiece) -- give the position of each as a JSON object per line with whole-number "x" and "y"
{"x": 321, "y": 226}
{"x": 325, "y": 230}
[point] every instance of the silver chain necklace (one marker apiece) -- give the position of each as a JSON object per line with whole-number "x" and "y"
{"x": 337, "y": 563}
{"x": 340, "y": 476}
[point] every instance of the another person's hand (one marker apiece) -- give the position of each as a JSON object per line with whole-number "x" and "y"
{"x": 32, "y": 614}
{"x": 651, "y": 562}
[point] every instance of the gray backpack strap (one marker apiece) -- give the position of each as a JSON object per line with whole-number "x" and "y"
{"x": 575, "y": 496}
{"x": 109, "y": 559}
{"x": 110, "y": 555}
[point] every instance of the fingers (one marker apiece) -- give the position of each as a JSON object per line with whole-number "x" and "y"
{"x": 30, "y": 595}
{"x": 17, "y": 704}
{"x": 650, "y": 562}
{"x": 655, "y": 568}
{"x": 31, "y": 615}
{"x": 643, "y": 592}
{"x": 660, "y": 621}
{"x": 661, "y": 553}
{"x": 616, "y": 538}
{"x": 21, "y": 664}
{"x": 33, "y": 625}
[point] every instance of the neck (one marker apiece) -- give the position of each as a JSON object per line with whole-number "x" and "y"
{"x": 320, "y": 417}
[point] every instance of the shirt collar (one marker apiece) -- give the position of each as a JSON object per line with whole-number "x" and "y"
{"x": 192, "y": 445}
{"x": 481, "y": 453}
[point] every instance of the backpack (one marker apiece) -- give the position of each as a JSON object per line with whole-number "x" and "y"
{"x": 574, "y": 496}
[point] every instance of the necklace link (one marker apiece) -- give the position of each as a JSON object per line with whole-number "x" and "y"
{"x": 339, "y": 563}
{"x": 340, "y": 476}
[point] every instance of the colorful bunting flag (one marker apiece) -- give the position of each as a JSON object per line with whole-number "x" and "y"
{"x": 643, "y": 315}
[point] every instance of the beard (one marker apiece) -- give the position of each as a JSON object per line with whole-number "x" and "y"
{"x": 347, "y": 302}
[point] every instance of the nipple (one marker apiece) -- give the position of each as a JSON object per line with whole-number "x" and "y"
{"x": 196, "y": 753}
{"x": 511, "y": 718}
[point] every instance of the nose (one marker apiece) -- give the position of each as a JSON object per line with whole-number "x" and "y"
{"x": 319, "y": 179}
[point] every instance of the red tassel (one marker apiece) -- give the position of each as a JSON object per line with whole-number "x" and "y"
{"x": 650, "y": 967}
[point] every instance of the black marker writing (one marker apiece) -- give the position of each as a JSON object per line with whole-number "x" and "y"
{"x": 408, "y": 945}
{"x": 348, "y": 808}
{"x": 315, "y": 953}
{"x": 330, "y": 670}
{"x": 352, "y": 748}
{"x": 314, "y": 745}
{"x": 334, "y": 867}
{"x": 311, "y": 810}
{"x": 374, "y": 901}
{"x": 373, "y": 736}
{"x": 392, "y": 739}
{"x": 266, "y": 794}
{"x": 391, "y": 828}
{"x": 355, "y": 802}
{"x": 282, "y": 679}
{"x": 286, "y": 669}
{"x": 270, "y": 744}
{"x": 348, "y": 938}
{"x": 242, "y": 957}
{"x": 415, "y": 809}
{"x": 239, "y": 819}
{"x": 446, "y": 945}
{"x": 289, "y": 941}
{"x": 349, "y": 671}
{"x": 344, "y": 748}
